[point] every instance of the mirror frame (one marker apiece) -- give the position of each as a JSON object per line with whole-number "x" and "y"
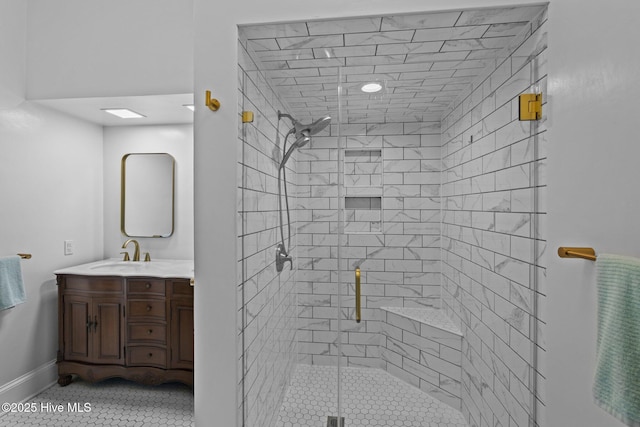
{"x": 123, "y": 195}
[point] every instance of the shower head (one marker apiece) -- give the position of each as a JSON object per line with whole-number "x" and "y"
{"x": 313, "y": 128}
{"x": 302, "y": 133}
{"x": 301, "y": 129}
{"x": 300, "y": 142}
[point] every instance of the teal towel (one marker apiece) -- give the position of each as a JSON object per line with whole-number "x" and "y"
{"x": 617, "y": 382}
{"x": 11, "y": 286}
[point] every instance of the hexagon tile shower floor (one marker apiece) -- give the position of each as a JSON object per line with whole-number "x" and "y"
{"x": 371, "y": 397}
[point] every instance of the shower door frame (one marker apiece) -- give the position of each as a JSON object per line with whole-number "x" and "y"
{"x": 339, "y": 249}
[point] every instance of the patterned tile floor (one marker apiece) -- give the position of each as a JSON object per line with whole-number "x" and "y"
{"x": 371, "y": 397}
{"x": 112, "y": 402}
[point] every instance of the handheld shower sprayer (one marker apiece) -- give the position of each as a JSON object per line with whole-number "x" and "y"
{"x": 303, "y": 134}
{"x": 300, "y": 142}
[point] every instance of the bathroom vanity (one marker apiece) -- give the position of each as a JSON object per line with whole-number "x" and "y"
{"x": 132, "y": 320}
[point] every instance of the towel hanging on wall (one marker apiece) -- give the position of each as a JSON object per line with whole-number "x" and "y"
{"x": 11, "y": 285}
{"x": 617, "y": 382}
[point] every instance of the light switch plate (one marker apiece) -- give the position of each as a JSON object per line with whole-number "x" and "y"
{"x": 68, "y": 247}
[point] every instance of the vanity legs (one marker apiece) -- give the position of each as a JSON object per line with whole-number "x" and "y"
{"x": 64, "y": 380}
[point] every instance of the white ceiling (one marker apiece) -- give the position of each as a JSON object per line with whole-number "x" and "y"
{"x": 157, "y": 109}
{"x": 423, "y": 60}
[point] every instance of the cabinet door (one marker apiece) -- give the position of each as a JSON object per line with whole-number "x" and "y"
{"x": 107, "y": 331}
{"x": 181, "y": 334}
{"x": 76, "y": 331}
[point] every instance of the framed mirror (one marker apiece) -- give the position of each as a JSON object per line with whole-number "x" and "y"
{"x": 147, "y": 195}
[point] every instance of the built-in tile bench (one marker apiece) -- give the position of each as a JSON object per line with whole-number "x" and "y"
{"x": 423, "y": 347}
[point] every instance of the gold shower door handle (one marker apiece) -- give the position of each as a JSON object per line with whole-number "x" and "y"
{"x": 358, "y": 305}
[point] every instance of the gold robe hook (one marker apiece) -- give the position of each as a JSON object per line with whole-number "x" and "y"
{"x": 212, "y": 103}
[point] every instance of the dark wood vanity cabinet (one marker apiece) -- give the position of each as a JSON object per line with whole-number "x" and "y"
{"x": 135, "y": 328}
{"x": 93, "y": 329}
{"x": 181, "y": 324}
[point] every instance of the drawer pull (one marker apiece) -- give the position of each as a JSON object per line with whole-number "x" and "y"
{"x": 150, "y": 331}
{"x": 149, "y": 308}
{"x": 148, "y": 285}
{"x": 150, "y": 355}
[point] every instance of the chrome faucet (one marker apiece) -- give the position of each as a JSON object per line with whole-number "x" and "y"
{"x": 136, "y": 251}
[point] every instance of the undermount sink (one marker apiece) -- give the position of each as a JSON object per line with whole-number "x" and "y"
{"x": 120, "y": 266}
{"x": 156, "y": 268}
{"x": 133, "y": 265}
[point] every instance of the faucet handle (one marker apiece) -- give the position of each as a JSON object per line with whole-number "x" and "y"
{"x": 147, "y": 257}
{"x": 126, "y": 256}
{"x": 282, "y": 257}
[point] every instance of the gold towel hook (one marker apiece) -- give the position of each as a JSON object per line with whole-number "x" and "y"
{"x": 212, "y": 103}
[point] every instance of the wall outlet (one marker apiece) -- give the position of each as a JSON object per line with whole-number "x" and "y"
{"x": 68, "y": 247}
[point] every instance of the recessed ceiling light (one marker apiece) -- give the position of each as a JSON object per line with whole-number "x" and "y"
{"x": 371, "y": 87}
{"x": 123, "y": 113}
{"x": 190, "y": 107}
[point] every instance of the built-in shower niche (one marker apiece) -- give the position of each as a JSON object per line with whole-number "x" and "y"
{"x": 363, "y": 181}
{"x": 362, "y": 214}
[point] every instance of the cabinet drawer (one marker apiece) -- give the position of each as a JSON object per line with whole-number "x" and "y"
{"x": 93, "y": 284}
{"x": 148, "y": 308}
{"x": 146, "y": 287}
{"x": 147, "y": 356}
{"x": 145, "y": 332}
{"x": 182, "y": 288}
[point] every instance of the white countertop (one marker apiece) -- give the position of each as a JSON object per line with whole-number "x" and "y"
{"x": 163, "y": 268}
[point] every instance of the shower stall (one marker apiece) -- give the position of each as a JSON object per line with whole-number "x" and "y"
{"x": 389, "y": 250}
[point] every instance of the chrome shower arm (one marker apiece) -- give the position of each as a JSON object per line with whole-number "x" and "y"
{"x": 288, "y": 116}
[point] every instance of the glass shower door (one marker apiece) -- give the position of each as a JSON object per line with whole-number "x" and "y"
{"x": 342, "y": 288}
{"x": 360, "y": 246}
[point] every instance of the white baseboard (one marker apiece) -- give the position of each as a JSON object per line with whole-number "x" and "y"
{"x": 29, "y": 384}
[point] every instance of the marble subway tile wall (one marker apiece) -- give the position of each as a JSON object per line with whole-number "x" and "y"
{"x": 266, "y": 299}
{"x": 392, "y": 176}
{"x": 493, "y": 234}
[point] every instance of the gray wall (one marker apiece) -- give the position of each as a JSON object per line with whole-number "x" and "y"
{"x": 51, "y": 191}
{"x": 176, "y": 140}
